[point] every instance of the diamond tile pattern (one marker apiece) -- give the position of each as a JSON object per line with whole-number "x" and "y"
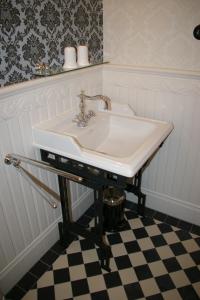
{"x": 151, "y": 260}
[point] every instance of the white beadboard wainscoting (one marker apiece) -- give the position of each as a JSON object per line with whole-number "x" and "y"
{"x": 28, "y": 224}
{"x": 172, "y": 180}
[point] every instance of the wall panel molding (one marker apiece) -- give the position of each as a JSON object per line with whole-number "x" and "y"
{"x": 170, "y": 81}
{"x": 164, "y": 72}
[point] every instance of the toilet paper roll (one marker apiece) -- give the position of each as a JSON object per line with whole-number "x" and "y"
{"x": 70, "y": 58}
{"x": 82, "y": 53}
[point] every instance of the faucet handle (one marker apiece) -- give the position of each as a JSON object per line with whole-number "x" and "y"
{"x": 75, "y": 119}
{"x": 91, "y": 114}
{"x": 82, "y": 93}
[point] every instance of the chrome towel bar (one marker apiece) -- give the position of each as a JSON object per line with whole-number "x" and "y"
{"x": 16, "y": 160}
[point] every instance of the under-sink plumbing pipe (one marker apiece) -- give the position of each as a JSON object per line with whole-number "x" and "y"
{"x": 16, "y": 160}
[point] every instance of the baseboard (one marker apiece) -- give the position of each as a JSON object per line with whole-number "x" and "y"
{"x": 171, "y": 206}
{"x": 22, "y": 263}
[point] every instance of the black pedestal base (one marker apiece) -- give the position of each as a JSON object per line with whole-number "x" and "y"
{"x": 98, "y": 180}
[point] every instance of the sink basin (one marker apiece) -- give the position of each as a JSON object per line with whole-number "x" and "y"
{"x": 120, "y": 143}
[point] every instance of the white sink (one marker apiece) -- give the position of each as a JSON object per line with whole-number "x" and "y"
{"x": 114, "y": 142}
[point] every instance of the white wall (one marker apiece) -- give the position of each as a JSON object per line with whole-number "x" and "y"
{"x": 153, "y": 33}
{"x": 28, "y": 224}
{"x": 171, "y": 182}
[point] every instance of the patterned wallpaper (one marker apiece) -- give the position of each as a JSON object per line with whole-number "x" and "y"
{"x": 152, "y": 33}
{"x": 33, "y": 31}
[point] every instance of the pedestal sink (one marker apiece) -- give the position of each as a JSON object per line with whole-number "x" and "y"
{"x": 120, "y": 143}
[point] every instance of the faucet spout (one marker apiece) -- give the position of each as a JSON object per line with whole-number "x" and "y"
{"x": 105, "y": 99}
{"x": 82, "y": 118}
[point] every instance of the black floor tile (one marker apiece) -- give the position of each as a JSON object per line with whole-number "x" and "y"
{"x": 16, "y": 293}
{"x": 147, "y": 221}
{"x": 185, "y": 225}
{"x": 193, "y": 274}
{"x": 195, "y": 229}
{"x": 123, "y": 262}
{"x": 140, "y": 233}
{"x": 158, "y": 240}
{"x": 197, "y": 240}
{"x": 143, "y": 272}
{"x": 171, "y": 264}
{"x": 149, "y": 212}
{"x": 27, "y": 281}
{"x": 178, "y": 249}
{"x": 112, "y": 279}
{"x": 172, "y": 221}
{"x": 49, "y": 257}
{"x": 151, "y": 255}
{"x": 39, "y": 269}
{"x": 61, "y": 275}
{"x": 183, "y": 235}
{"x": 156, "y": 297}
{"x": 114, "y": 238}
{"x": 165, "y": 283}
{"x": 75, "y": 259}
{"x": 132, "y": 247}
{"x": 164, "y": 228}
{"x": 160, "y": 216}
{"x": 196, "y": 257}
{"x": 46, "y": 293}
{"x": 80, "y": 287}
{"x": 58, "y": 248}
{"x": 133, "y": 291}
{"x": 102, "y": 295}
{"x": 188, "y": 293}
{"x": 93, "y": 269}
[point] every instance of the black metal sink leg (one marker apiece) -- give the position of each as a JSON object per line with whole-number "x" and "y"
{"x": 105, "y": 256}
{"x": 141, "y": 196}
{"x": 136, "y": 190}
{"x": 105, "y": 249}
{"x": 66, "y": 236}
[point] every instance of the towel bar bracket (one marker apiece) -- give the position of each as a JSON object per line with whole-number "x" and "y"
{"x": 16, "y": 160}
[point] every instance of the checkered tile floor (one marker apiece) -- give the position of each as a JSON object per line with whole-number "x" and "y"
{"x": 151, "y": 260}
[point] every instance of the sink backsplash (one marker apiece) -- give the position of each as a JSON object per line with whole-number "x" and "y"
{"x": 38, "y": 31}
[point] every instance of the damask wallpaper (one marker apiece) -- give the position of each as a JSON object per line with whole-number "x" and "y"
{"x": 33, "y": 31}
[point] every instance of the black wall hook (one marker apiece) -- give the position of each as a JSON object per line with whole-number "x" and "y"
{"x": 196, "y": 32}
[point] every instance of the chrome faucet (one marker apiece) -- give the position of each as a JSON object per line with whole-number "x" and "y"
{"x": 82, "y": 118}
